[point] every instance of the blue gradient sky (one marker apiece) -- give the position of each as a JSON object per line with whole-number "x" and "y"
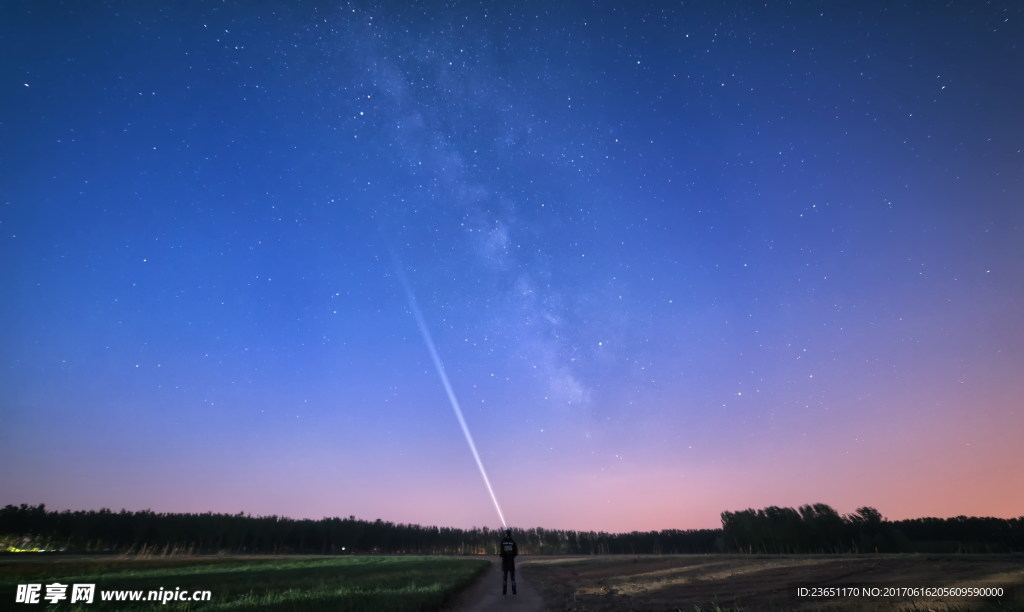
{"x": 676, "y": 259}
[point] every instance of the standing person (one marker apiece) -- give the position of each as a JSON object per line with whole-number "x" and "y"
{"x": 508, "y": 553}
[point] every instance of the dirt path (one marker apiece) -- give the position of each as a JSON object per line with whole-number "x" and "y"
{"x": 485, "y": 594}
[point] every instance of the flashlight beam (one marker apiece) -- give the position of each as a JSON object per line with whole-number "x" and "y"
{"x": 429, "y": 341}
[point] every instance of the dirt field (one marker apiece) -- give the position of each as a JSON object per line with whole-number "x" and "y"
{"x": 731, "y": 582}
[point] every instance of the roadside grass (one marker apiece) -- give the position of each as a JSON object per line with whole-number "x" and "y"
{"x": 350, "y": 583}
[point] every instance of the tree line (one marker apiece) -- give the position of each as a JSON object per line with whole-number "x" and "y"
{"x": 818, "y": 528}
{"x": 815, "y": 528}
{"x": 104, "y": 531}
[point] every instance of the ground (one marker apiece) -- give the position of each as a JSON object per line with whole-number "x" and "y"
{"x": 485, "y": 594}
{"x": 751, "y": 583}
{"x": 686, "y": 583}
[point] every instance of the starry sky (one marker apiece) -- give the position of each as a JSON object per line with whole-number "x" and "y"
{"x": 674, "y": 259}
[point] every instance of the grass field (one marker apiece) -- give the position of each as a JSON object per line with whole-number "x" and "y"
{"x": 753, "y": 583}
{"x": 253, "y": 583}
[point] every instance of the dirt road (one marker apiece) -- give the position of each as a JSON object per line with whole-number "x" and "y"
{"x": 485, "y": 594}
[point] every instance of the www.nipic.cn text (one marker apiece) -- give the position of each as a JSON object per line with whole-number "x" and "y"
{"x": 86, "y": 593}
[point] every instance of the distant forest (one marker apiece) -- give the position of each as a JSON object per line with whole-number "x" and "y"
{"x": 813, "y": 528}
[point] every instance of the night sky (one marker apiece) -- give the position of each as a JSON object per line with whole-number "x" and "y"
{"x": 675, "y": 259}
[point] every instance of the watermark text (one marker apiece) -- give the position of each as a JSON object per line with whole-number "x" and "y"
{"x": 57, "y": 592}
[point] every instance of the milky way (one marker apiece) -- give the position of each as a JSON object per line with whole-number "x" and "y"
{"x": 678, "y": 259}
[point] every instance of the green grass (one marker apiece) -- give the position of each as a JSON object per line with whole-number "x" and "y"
{"x": 278, "y": 584}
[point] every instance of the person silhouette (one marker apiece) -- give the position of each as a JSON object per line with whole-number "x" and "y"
{"x": 508, "y": 553}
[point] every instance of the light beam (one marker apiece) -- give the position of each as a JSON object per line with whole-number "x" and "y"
{"x": 429, "y": 341}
